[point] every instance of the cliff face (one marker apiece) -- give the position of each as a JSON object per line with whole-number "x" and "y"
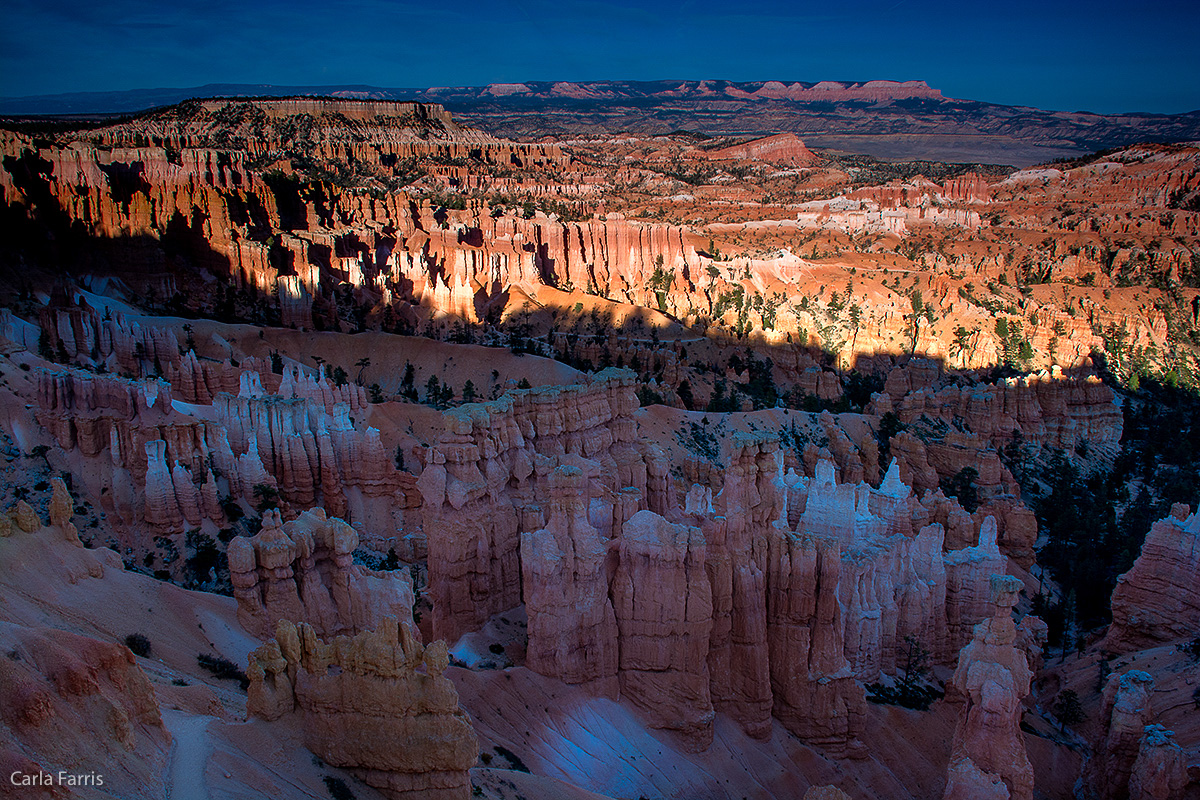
{"x": 167, "y": 469}
{"x": 572, "y": 628}
{"x": 214, "y": 193}
{"x": 377, "y": 705}
{"x": 664, "y": 610}
{"x": 1156, "y": 600}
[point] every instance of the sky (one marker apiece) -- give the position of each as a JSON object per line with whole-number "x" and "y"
{"x": 1102, "y": 56}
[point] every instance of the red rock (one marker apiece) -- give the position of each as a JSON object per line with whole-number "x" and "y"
{"x": 988, "y": 758}
{"x": 303, "y": 571}
{"x": 1160, "y": 771}
{"x": 1125, "y": 712}
{"x": 72, "y": 703}
{"x": 1156, "y": 600}
{"x": 377, "y": 705}
{"x": 572, "y": 627}
{"x": 663, "y": 603}
{"x": 782, "y": 148}
{"x": 815, "y": 694}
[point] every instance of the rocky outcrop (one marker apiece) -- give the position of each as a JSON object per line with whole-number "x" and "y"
{"x": 782, "y": 148}
{"x": 988, "y": 757}
{"x": 1160, "y": 771}
{"x": 968, "y": 586}
{"x": 1125, "y": 712}
{"x": 814, "y": 691}
{"x": 1133, "y": 758}
{"x": 856, "y": 573}
{"x": 304, "y": 571}
{"x": 1156, "y": 600}
{"x": 168, "y": 467}
{"x": 72, "y": 703}
{"x": 1054, "y": 408}
{"x": 663, "y": 603}
{"x": 572, "y": 628}
{"x": 746, "y": 508}
{"x": 377, "y": 705}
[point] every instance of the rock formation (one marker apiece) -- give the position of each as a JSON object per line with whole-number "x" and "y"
{"x": 1156, "y": 600}
{"x": 487, "y": 481}
{"x": 747, "y": 506}
{"x": 1132, "y": 757}
{"x": 377, "y": 705}
{"x": 663, "y": 603}
{"x": 1053, "y": 408}
{"x": 572, "y": 628}
{"x": 838, "y": 590}
{"x": 304, "y": 571}
{"x": 82, "y": 706}
{"x": 968, "y": 586}
{"x": 783, "y": 148}
{"x": 815, "y": 694}
{"x": 290, "y": 433}
{"x": 1125, "y": 712}
{"x": 1160, "y": 771}
{"x": 988, "y": 758}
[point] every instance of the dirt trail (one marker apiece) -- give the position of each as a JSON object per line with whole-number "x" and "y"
{"x": 189, "y": 755}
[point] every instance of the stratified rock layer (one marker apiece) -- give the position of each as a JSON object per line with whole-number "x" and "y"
{"x": 487, "y": 482}
{"x": 663, "y": 603}
{"x": 376, "y": 704}
{"x": 572, "y": 629}
{"x": 1133, "y": 758}
{"x": 1156, "y": 600}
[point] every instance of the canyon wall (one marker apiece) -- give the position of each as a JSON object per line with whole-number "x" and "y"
{"x": 1156, "y": 601}
{"x": 709, "y": 605}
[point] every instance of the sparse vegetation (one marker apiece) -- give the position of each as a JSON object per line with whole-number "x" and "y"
{"x": 138, "y": 644}
{"x": 222, "y": 669}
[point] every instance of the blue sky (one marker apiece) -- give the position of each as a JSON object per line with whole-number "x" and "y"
{"x": 1098, "y": 56}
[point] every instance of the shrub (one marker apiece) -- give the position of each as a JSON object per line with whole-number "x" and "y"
{"x": 139, "y": 644}
{"x": 338, "y": 789}
{"x": 512, "y": 758}
{"x": 222, "y": 669}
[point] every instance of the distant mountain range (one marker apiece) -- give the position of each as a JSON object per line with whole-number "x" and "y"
{"x": 886, "y": 119}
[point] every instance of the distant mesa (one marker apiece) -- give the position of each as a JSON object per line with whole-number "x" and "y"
{"x": 783, "y": 148}
{"x": 875, "y": 91}
{"x": 505, "y": 89}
